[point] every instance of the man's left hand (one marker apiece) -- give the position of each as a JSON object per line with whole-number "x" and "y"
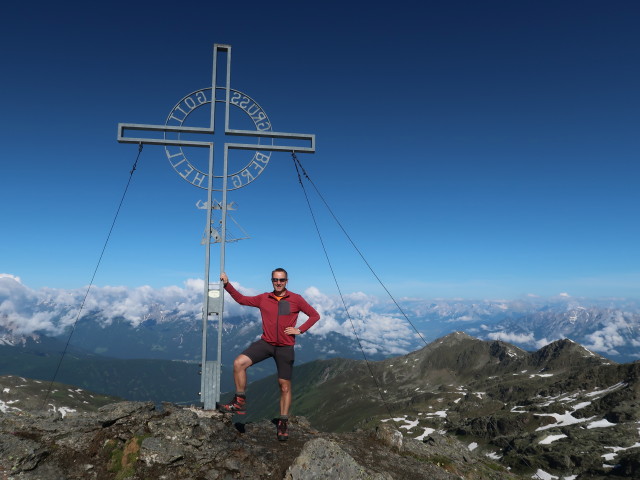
{"x": 292, "y": 331}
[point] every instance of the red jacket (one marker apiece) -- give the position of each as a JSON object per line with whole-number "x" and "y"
{"x": 277, "y": 315}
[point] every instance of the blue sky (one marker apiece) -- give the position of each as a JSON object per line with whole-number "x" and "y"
{"x": 470, "y": 149}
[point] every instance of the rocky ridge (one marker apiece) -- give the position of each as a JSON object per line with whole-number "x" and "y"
{"x": 135, "y": 440}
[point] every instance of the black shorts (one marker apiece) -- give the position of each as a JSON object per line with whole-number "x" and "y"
{"x": 284, "y": 356}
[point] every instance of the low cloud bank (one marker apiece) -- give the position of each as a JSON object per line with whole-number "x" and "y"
{"x": 513, "y": 337}
{"x": 24, "y": 311}
{"x": 523, "y": 339}
{"x": 606, "y": 326}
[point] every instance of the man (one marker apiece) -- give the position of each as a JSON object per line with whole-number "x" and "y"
{"x": 279, "y": 310}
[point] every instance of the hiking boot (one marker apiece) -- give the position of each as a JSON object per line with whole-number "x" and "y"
{"x": 237, "y": 405}
{"x": 283, "y": 430}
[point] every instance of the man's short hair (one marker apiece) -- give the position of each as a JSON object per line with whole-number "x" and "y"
{"x": 280, "y": 270}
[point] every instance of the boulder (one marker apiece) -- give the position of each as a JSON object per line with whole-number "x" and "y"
{"x": 322, "y": 459}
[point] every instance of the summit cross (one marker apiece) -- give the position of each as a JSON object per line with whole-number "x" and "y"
{"x": 213, "y": 303}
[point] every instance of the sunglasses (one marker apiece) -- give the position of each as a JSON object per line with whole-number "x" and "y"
{"x": 279, "y": 280}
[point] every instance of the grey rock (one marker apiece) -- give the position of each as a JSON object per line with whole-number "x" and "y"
{"x": 135, "y": 441}
{"x": 20, "y": 454}
{"x": 110, "y": 414}
{"x": 322, "y": 459}
{"x": 389, "y": 436}
{"x": 160, "y": 450}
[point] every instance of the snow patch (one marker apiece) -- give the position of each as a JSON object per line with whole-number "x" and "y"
{"x": 427, "y": 431}
{"x": 601, "y": 424}
{"x": 63, "y": 411}
{"x": 551, "y": 438}
{"x": 439, "y": 413}
{"x": 595, "y": 393}
{"x": 6, "y": 407}
{"x": 562, "y": 420}
{"x": 542, "y": 475}
{"x": 610, "y": 456}
{"x": 410, "y": 424}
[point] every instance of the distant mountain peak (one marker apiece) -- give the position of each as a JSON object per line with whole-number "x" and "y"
{"x": 454, "y": 338}
{"x": 565, "y": 351}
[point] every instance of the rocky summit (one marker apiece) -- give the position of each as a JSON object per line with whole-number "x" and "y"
{"x": 136, "y": 440}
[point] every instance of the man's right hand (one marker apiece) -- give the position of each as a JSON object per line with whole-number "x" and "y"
{"x": 224, "y": 278}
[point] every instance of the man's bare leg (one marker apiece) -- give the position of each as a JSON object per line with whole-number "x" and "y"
{"x": 285, "y": 403}
{"x": 240, "y": 365}
{"x": 238, "y": 404}
{"x": 285, "y": 396}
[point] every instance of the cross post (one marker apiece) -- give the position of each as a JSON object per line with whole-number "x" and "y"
{"x": 213, "y": 302}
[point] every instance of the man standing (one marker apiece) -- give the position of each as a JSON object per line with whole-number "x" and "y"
{"x": 279, "y": 310}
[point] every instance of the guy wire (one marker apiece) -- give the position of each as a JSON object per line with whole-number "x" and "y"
{"x": 95, "y": 271}
{"x": 326, "y": 254}
{"x": 295, "y": 158}
{"x": 298, "y": 164}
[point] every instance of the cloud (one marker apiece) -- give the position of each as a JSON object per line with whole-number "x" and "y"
{"x": 378, "y": 332}
{"x": 612, "y": 335}
{"x": 381, "y": 333}
{"x": 8, "y": 275}
{"x": 378, "y": 324}
{"x": 542, "y": 342}
{"x": 520, "y": 338}
{"x": 24, "y": 311}
{"x": 18, "y": 307}
{"x": 524, "y": 338}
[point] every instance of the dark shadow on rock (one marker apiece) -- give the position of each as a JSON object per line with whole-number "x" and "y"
{"x": 240, "y": 427}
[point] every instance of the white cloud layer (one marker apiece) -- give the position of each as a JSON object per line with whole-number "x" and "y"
{"x": 24, "y": 311}
{"x": 612, "y": 335}
{"x": 379, "y": 325}
{"x": 376, "y": 331}
{"x": 523, "y": 338}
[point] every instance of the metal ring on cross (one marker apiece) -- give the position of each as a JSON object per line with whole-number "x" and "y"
{"x": 196, "y": 176}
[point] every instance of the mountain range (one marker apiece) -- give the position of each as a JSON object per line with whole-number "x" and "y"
{"x": 559, "y": 412}
{"x": 612, "y": 331}
{"x": 145, "y": 344}
{"x": 460, "y": 407}
{"x": 165, "y": 323}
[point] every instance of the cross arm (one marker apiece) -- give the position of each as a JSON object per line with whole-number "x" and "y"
{"x": 273, "y": 148}
{"x": 122, "y": 138}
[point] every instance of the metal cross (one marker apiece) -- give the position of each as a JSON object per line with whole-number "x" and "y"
{"x": 213, "y": 296}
